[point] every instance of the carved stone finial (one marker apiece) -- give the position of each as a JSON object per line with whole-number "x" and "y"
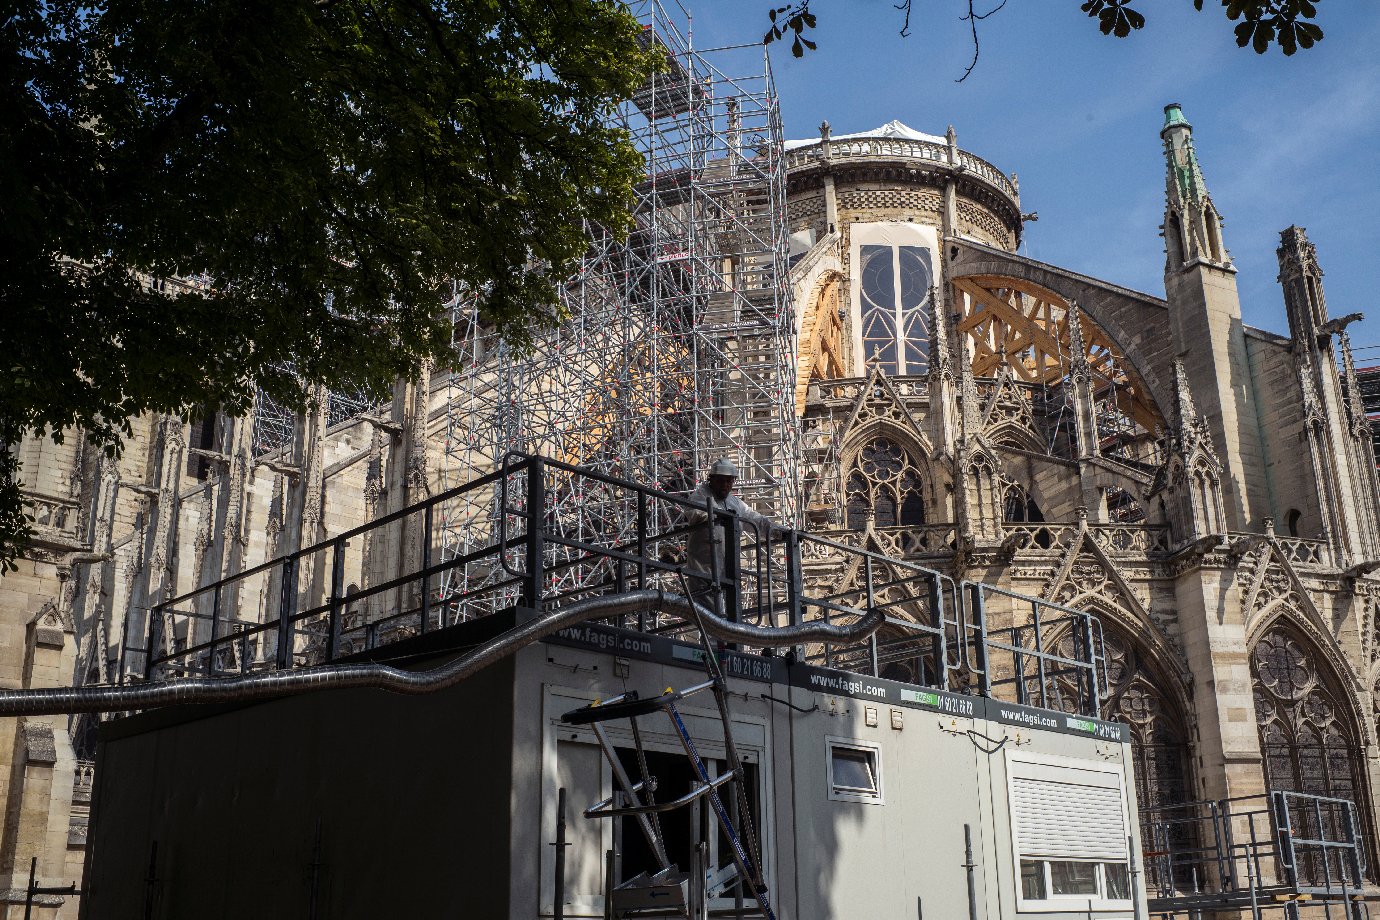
{"x": 1297, "y": 254}
{"x": 1269, "y": 524}
{"x": 1082, "y": 513}
{"x": 951, "y": 136}
{"x": 824, "y": 131}
{"x": 1078, "y": 349}
{"x": 1188, "y": 412}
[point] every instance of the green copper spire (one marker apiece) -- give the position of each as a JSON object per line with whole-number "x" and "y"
{"x": 1174, "y": 115}
{"x": 1185, "y": 173}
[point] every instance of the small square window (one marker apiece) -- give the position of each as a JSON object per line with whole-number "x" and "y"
{"x": 1033, "y": 880}
{"x": 854, "y": 772}
{"x": 1073, "y": 878}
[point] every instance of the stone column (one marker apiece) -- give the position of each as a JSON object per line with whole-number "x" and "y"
{"x": 41, "y": 770}
{"x": 1212, "y": 622}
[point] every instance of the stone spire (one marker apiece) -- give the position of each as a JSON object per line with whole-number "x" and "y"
{"x": 1340, "y": 453}
{"x": 1301, "y": 278}
{"x": 1192, "y": 226}
{"x": 1205, "y": 326}
{"x": 1080, "y": 380}
{"x": 1193, "y": 430}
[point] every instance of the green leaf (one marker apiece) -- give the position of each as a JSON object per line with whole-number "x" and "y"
{"x": 328, "y": 169}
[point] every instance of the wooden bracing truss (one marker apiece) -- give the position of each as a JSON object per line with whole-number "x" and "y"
{"x": 821, "y": 342}
{"x": 1026, "y": 328}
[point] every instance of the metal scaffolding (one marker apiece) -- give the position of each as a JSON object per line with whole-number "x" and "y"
{"x": 679, "y": 345}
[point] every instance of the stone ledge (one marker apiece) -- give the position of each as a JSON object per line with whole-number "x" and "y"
{"x": 38, "y": 743}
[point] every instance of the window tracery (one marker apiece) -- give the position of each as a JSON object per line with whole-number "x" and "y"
{"x": 895, "y": 292}
{"x": 886, "y": 486}
{"x": 1305, "y": 739}
{"x": 1018, "y": 507}
{"x": 1159, "y": 737}
{"x": 1305, "y": 742}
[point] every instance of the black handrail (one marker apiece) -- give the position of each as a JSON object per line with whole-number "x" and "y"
{"x": 549, "y": 562}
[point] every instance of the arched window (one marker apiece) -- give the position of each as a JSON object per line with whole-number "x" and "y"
{"x": 1159, "y": 738}
{"x": 1214, "y": 234}
{"x": 1018, "y": 507}
{"x": 1291, "y": 521}
{"x": 1307, "y": 742}
{"x": 1174, "y": 241}
{"x": 885, "y": 485}
{"x": 1159, "y": 734}
{"x": 895, "y": 292}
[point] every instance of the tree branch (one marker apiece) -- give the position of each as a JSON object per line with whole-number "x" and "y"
{"x": 972, "y": 18}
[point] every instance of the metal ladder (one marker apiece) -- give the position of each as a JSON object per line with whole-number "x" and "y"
{"x": 682, "y": 893}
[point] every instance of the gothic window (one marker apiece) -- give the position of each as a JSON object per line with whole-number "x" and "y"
{"x": 886, "y": 485}
{"x": 1013, "y": 505}
{"x": 1159, "y": 738}
{"x": 1018, "y": 507}
{"x": 1174, "y": 241}
{"x": 1305, "y": 738}
{"x": 202, "y": 435}
{"x": 895, "y": 291}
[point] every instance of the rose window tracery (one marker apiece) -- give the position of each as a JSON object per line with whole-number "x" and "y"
{"x": 1305, "y": 740}
{"x": 1282, "y": 667}
{"x": 885, "y": 485}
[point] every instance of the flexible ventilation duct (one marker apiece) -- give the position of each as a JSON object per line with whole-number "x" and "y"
{"x": 385, "y": 677}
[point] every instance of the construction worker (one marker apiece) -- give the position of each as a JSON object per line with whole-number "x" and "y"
{"x": 705, "y": 543}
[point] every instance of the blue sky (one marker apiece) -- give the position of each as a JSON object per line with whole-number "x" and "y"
{"x": 1077, "y": 114}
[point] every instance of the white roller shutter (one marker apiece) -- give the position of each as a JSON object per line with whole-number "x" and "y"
{"x": 1066, "y": 820}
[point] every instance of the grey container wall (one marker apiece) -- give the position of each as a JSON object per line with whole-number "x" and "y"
{"x": 445, "y": 805}
{"x": 902, "y": 858}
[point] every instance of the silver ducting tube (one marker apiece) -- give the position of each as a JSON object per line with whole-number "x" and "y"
{"x": 385, "y": 677}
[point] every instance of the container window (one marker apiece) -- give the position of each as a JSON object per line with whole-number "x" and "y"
{"x": 1118, "y": 881}
{"x": 854, "y": 772}
{"x": 1033, "y": 880}
{"x": 1076, "y": 878}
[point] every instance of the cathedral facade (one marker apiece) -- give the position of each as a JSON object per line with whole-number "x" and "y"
{"x": 1208, "y": 489}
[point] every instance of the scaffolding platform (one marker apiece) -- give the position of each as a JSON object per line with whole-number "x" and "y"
{"x": 1292, "y": 852}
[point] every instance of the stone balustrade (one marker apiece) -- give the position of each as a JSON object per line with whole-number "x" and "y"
{"x": 55, "y": 520}
{"x": 1113, "y": 539}
{"x": 891, "y": 148}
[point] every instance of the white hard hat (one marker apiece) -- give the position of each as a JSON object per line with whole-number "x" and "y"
{"x": 723, "y": 467}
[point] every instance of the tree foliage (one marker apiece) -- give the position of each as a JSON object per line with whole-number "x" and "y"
{"x": 1261, "y": 24}
{"x": 321, "y": 172}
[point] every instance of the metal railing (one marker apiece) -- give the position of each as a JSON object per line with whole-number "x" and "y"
{"x": 1276, "y": 850}
{"x": 383, "y": 582}
{"x": 1034, "y": 652}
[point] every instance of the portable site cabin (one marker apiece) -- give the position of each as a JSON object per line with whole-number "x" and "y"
{"x": 359, "y": 803}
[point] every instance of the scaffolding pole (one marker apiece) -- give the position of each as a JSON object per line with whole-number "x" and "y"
{"x": 680, "y": 341}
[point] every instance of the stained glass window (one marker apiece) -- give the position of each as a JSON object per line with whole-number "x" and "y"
{"x": 895, "y": 292}
{"x": 1305, "y": 739}
{"x": 885, "y": 484}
